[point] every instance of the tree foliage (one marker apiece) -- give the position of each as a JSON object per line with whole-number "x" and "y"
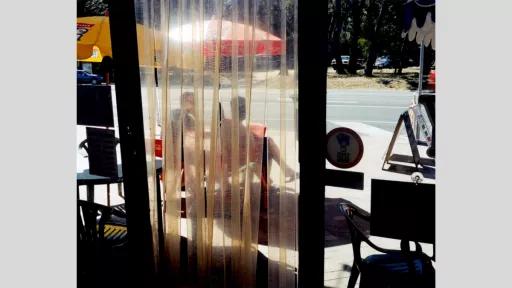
{"x": 368, "y": 29}
{"x": 91, "y": 8}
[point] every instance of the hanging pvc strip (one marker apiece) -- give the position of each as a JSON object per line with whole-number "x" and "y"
{"x": 274, "y": 177}
{"x": 171, "y": 136}
{"x": 282, "y": 199}
{"x": 214, "y": 158}
{"x": 148, "y": 101}
{"x": 290, "y": 201}
{"x": 234, "y": 156}
{"x": 254, "y": 144}
{"x": 222, "y": 76}
{"x": 198, "y": 31}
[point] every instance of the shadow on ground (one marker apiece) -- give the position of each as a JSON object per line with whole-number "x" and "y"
{"x": 391, "y": 80}
{"x": 336, "y": 226}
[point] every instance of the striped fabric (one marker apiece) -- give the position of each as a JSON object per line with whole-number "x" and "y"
{"x": 114, "y": 232}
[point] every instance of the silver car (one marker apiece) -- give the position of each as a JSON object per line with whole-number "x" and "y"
{"x": 344, "y": 60}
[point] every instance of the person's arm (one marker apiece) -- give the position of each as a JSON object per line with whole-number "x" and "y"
{"x": 274, "y": 153}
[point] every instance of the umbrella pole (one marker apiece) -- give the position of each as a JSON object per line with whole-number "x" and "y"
{"x": 420, "y": 84}
{"x": 422, "y": 64}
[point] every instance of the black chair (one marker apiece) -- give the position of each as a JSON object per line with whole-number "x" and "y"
{"x": 102, "y": 244}
{"x": 393, "y": 268}
{"x": 94, "y": 108}
{"x": 100, "y": 148}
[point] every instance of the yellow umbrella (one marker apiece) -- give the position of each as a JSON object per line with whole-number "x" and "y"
{"x": 93, "y": 40}
{"x": 93, "y": 43}
{"x": 95, "y": 57}
{"x": 93, "y": 31}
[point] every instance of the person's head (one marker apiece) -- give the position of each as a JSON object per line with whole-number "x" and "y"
{"x": 187, "y": 101}
{"x": 241, "y": 107}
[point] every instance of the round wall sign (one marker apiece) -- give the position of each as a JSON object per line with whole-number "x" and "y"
{"x": 344, "y": 147}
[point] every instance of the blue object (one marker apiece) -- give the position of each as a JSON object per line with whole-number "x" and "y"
{"x": 395, "y": 263}
{"x": 343, "y": 139}
{"x": 383, "y": 62}
{"x": 86, "y": 77}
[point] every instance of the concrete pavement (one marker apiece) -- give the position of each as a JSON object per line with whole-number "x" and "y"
{"x": 338, "y": 250}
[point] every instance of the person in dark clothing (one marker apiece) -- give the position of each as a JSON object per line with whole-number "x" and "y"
{"x": 106, "y": 69}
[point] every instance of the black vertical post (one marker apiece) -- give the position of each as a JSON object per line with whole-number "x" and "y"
{"x": 312, "y": 52}
{"x": 131, "y": 133}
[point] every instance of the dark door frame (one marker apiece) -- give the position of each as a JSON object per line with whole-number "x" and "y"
{"x": 312, "y": 58}
{"x": 131, "y": 135}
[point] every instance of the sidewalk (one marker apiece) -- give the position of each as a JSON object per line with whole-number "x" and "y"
{"x": 338, "y": 249}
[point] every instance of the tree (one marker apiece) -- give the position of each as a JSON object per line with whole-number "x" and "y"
{"x": 335, "y": 32}
{"x": 372, "y": 36}
{"x": 91, "y": 8}
{"x": 367, "y": 29}
{"x": 354, "y": 36}
{"x": 390, "y": 35}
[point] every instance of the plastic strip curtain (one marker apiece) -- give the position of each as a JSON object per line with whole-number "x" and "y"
{"x": 283, "y": 203}
{"x": 147, "y": 56}
{"x": 221, "y": 74}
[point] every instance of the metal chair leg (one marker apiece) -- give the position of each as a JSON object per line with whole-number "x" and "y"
{"x": 353, "y": 276}
{"x": 108, "y": 195}
{"x": 90, "y": 193}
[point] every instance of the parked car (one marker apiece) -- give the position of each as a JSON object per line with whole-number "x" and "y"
{"x": 383, "y": 62}
{"x": 345, "y": 59}
{"x": 83, "y": 76}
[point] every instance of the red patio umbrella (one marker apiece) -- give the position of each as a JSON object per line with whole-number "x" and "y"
{"x": 265, "y": 42}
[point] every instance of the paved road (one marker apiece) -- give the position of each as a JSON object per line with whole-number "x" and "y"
{"x": 376, "y": 108}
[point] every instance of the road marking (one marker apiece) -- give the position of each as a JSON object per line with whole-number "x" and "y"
{"x": 356, "y": 91}
{"x": 343, "y": 102}
{"x": 364, "y": 121}
{"x": 335, "y": 94}
{"x": 369, "y": 106}
{"x": 277, "y": 119}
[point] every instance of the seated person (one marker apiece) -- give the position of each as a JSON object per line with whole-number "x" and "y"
{"x": 257, "y": 134}
{"x": 187, "y": 115}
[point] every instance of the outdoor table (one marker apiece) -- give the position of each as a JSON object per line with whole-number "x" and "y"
{"x": 85, "y": 178}
{"x": 90, "y": 180}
